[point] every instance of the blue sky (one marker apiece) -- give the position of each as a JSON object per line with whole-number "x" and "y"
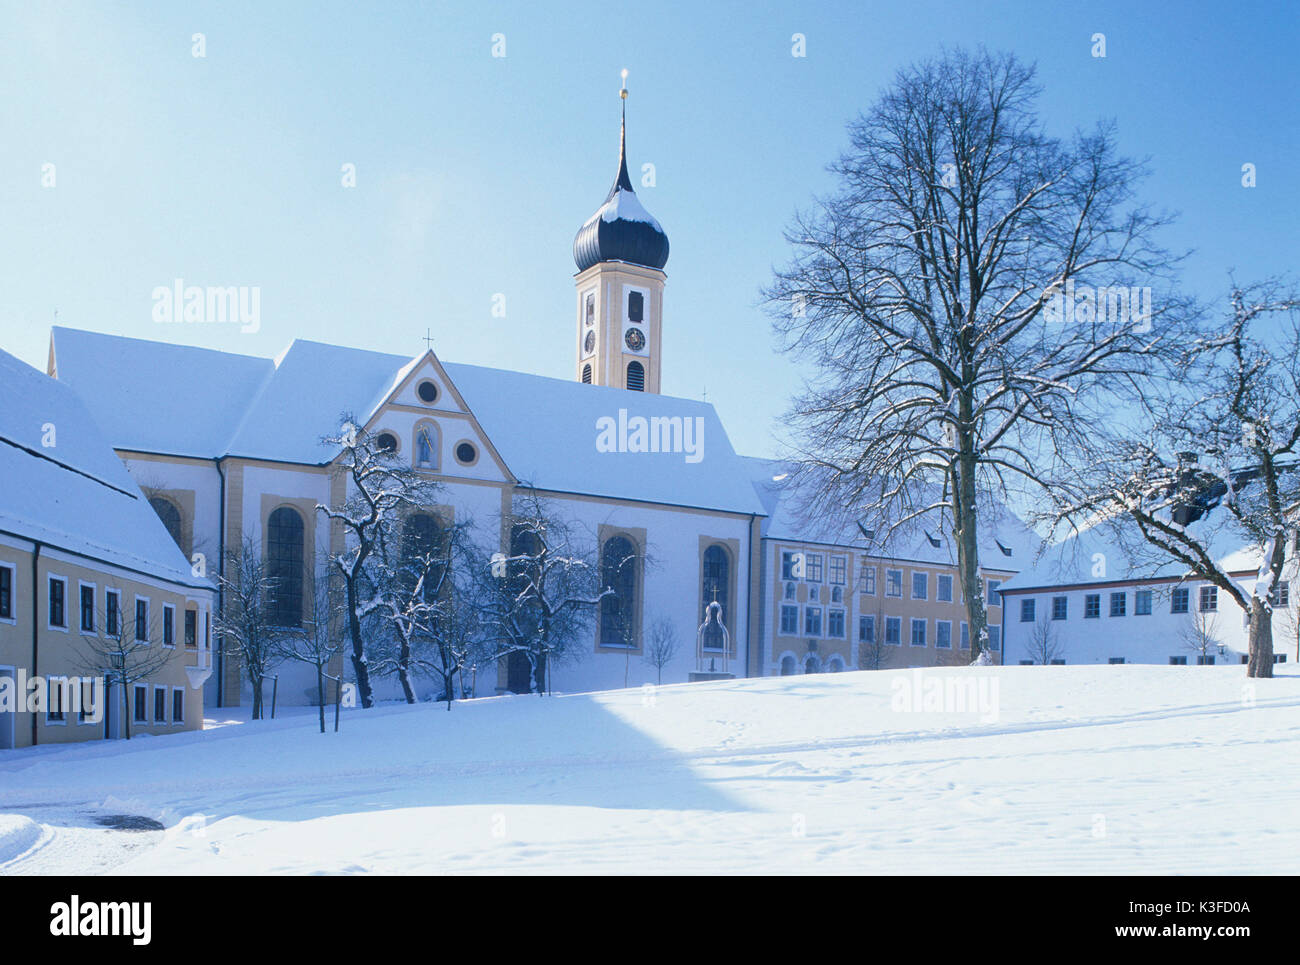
{"x": 474, "y": 172}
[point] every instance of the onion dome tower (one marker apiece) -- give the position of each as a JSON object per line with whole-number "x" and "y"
{"x": 620, "y": 252}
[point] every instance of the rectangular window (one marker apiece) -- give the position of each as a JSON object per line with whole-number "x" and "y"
{"x": 789, "y": 620}
{"x": 995, "y": 598}
{"x": 6, "y": 592}
{"x": 1178, "y": 661}
{"x": 893, "y": 582}
{"x": 56, "y": 707}
{"x": 835, "y": 624}
{"x": 1205, "y": 660}
{"x": 1119, "y": 604}
{"x": 112, "y": 612}
{"x": 812, "y": 621}
{"x": 920, "y": 586}
{"x": 1027, "y": 610}
{"x": 1209, "y": 599}
{"x": 1060, "y": 607}
{"x": 87, "y": 700}
{"x": 87, "y": 608}
{"x": 1142, "y": 603}
{"x": 169, "y": 625}
{"x": 1281, "y": 595}
{"x": 1058, "y": 663}
{"x": 140, "y": 712}
{"x": 866, "y": 629}
{"x": 787, "y": 565}
{"x": 1092, "y": 606}
{"x": 867, "y": 580}
{"x": 995, "y": 638}
{"x": 178, "y": 705}
{"x": 893, "y": 631}
{"x": 1116, "y": 660}
{"x": 918, "y": 632}
{"x": 814, "y": 563}
{"x": 159, "y": 705}
{"x": 943, "y": 592}
{"x": 191, "y": 628}
{"x": 965, "y": 635}
{"x": 141, "y": 619}
{"x": 839, "y": 570}
{"x": 943, "y": 634}
{"x": 635, "y": 306}
{"x": 56, "y": 610}
{"x": 1178, "y": 603}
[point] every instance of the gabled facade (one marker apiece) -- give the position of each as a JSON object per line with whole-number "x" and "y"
{"x": 84, "y": 561}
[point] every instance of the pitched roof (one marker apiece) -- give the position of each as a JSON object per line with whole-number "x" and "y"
{"x": 65, "y": 486}
{"x": 922, "y": 541}
{"x": 545, "y": 429}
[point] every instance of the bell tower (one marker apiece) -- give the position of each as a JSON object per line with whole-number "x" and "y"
{"x": 620, "y": 252}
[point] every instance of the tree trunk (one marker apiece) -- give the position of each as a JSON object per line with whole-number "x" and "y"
{"x": 359, "y": 668}
{"x": 966, "y": 535}
{"x": 404, "y": 671}
{"x": 257, "y": 698}
{"x": 1261, "y": 639}
{"x": 320, "y": 694}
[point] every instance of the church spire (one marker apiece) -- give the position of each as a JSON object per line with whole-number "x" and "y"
{"x": 623, "y": 180}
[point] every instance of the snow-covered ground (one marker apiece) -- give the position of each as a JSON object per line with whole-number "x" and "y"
{"x": 1115, "y": 769}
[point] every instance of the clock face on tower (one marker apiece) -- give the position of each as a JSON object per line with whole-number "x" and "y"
{"x": 589, "y": 343}
{"x": 635, "y": 339}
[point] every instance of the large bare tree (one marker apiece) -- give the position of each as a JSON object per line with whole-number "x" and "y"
{"x": 972, "y": 290}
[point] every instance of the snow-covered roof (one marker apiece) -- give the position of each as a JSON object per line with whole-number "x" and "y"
{"x": 777, "y": 484}
{"x": 62, "y": 483}
{"x": 544, "y": 429}
{"x": 159, "y": 397}
{"x": 1095, "y": 554}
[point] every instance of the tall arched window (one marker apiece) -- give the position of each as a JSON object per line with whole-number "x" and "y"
{"x": 788, "y": 665}
{"x": 423, "y": 552}
{"x": 716, "y": 578}
{"x": 284, "y": 545}
{"x": 636, "y": 376}
{"x": 618, "y": 611}
{"x": 170, "y": 516}
{"x": 586, "y": 375}
{"x": 425, "y": 446}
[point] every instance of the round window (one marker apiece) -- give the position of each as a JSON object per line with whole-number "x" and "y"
{"x": 387, "y": 441}
{"x": 427, "y": 391}
{"x": 466, "y": 453}
{"x": 589, "y": 344}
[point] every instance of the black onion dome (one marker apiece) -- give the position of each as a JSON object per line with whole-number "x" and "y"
{"x": 621, "y": 229}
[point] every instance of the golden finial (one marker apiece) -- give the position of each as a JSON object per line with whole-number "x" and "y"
{"x": 623, "y": 93}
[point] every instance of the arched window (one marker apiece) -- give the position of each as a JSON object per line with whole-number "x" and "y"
{"x": 788, "y": 665}
{"x": 425, "y": 446}
{"x": 618, "y": 611}
{"x": 170, "y": 516}
{"x": 586, "y": 375}
{"x": 812, "y": 664}
{"x": 636, "y": 376}
{"x": 423, "y": 552}
{"x": 284, "y": 545}
{"x": 713, "y": 586}
{"x": 836, "y": 665}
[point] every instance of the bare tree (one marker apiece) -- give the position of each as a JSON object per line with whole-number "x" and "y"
{"x": 873, "y": 653}
{"x": 1214, "y": 464}
{"x": 959, "y": 302}
{"x": 246, "y": 626}
{"x": 127, "y": 649}
{"x": 1044, "y": 643}
{"x": 662, "y": 645}
{"x": 540, "y": 600}
{"x": 319, "y": 640}
{"x": 379, "y": 490}
{"x": 1201, "y": 633}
